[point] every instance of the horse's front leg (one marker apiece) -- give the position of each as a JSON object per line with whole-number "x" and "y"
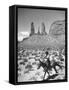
{"x": 55, "y": 69}
{"x": 44, "y": 75}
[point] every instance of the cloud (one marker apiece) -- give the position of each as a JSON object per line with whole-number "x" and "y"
{"x": 22, "y": 35}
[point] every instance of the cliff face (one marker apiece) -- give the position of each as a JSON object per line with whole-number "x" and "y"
{"x": 55, "y": 39}
{"x": 57, "y": 30}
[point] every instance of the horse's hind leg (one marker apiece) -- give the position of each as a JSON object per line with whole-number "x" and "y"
{"x": 55, "y": 69}
{"x": 59, "y": 66}
{"x": 44, "y": 75}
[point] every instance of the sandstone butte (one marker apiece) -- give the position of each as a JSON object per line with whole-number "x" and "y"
{"x": 55, "y": 38}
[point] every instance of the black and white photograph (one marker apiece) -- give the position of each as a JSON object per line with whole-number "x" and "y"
{"x": 41, "y": 45}
{"x": 34, "y": 44}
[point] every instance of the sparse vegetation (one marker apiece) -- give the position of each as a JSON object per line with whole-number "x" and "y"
{"x": 47, "y": 63}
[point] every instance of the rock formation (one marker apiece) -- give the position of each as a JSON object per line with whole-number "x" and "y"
{"x": 32, "y": 29}
{"x": 57, "y": 30}
{"x": 43, "y": 29}
{"x": 38, "y": 33}
{"x": 55, "y": 38}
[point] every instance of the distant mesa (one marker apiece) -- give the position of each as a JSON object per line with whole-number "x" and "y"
{"x": 55, "y": 38}
{"x": 57, "y": 30}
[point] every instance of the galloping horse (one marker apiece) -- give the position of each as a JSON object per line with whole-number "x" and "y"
{"x": 48, "y": 66}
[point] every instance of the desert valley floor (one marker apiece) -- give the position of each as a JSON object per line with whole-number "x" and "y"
{"x": 38, "y": 65}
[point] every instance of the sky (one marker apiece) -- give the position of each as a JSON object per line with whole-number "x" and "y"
{"x": 26, "y": 16}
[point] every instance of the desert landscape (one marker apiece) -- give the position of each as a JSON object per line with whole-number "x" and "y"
{"x": 41, "y": 55}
